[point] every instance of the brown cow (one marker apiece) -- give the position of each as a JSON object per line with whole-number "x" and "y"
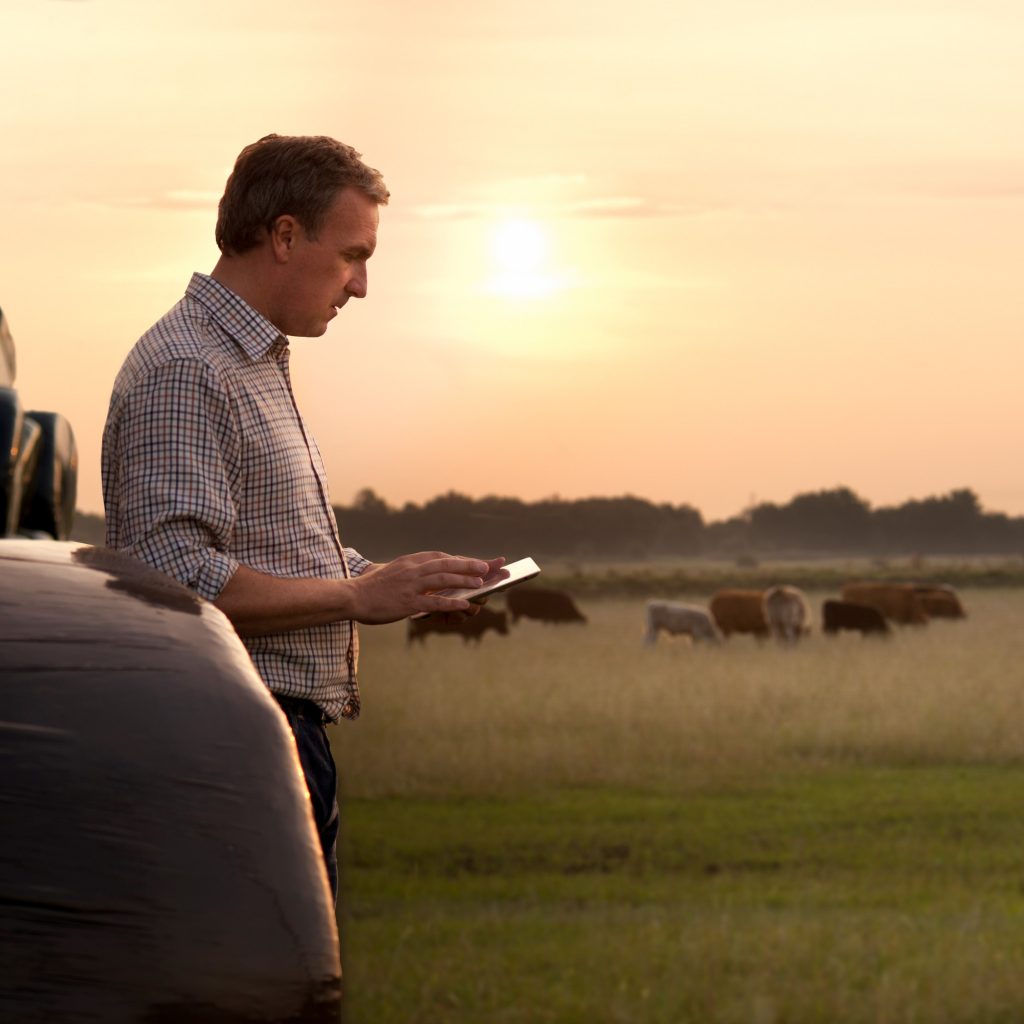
{"x": 472, "y": 628}
{"x": 739, "y": 611}
{"x": 544, "y": 604}
{"x": 862, "y": 618}
{"x": 898, "y": 602}
{"x": 940, "y": 602}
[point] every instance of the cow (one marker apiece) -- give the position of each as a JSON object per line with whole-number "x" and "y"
{"x": 898, "y": 602}
{"x": 862, "y": 618}
{"x": 739, "y": 611}
{"x": 787, "y": 613}
{"x": 679, "y": 620}
{"x": 472, "y": 628}
{"x": 544, "y": 604}
{"x": 940, "y": 601}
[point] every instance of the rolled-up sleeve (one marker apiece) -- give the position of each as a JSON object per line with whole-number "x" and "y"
{"x": 174, "y": 440}
{"x": 356, "y": 563}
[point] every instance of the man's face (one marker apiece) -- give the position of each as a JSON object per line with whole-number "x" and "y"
{"x": 325, "y": 272}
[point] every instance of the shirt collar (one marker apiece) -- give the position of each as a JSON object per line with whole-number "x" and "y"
{"x": 251, "y": 331}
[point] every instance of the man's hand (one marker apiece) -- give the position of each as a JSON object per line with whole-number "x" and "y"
{"x": 389, "y": 591}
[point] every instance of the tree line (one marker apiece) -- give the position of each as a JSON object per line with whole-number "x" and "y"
{"x": 835, "y": 521}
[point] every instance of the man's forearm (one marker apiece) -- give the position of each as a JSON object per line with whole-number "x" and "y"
{"x": 257, "y": 603}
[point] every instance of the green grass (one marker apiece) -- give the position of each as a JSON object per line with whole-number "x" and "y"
{"x": 563, "y": 826}
{"x": 858, "y": 895}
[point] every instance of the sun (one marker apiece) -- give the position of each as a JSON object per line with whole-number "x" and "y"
{"x": 520, "y": 253}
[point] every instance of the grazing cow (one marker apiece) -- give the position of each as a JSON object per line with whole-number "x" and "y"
{"x": 862, "y": 618}
{"x": 679, "y": 620}
{"x": 739, "y": 611}
{"x": 787, "y": 613}
{"x": 940, "y": 602}
{"x": 544, "y": 604}
{"x": 898, "y": 602}
{"x": 472, "y": 628}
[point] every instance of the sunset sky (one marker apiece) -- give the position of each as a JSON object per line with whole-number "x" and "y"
{"x": 696, "y": 252}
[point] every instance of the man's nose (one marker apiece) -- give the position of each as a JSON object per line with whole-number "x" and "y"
{"x": 356, "y": 286}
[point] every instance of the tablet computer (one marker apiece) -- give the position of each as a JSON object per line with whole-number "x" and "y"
{"x": 507, "y": 576}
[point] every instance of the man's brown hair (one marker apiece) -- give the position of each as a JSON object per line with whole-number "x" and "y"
{"x": 298, "y": 175}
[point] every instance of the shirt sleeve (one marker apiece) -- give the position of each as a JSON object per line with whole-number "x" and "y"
{"x": 176, "y": 441}
{"x": 356, "y": 563}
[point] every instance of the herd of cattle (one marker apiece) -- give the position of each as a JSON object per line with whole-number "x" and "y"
{"x": 531, "y": 602}
{"x": 782, "y": 612}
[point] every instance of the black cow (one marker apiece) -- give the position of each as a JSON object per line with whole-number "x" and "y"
{"x": 862, "y": 618}
{"x": 472, "y": 628}
{"x": 544, "y": 604}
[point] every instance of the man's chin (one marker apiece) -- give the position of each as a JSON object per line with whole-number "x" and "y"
{"x": 317, "y": 330}
{"x": 311, "y": 328}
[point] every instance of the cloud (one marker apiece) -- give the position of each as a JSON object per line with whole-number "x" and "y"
{"x": 569, "y": 196}
{"x": 170, "y": 199}
{"x": 178, "y": 199}
{"x": 992, "y": 186}
{"x": 634, "y": 206}
{"x": 598, "y": 207}
{"x": 939, "y": 179}
{"x": 452, "y": 211}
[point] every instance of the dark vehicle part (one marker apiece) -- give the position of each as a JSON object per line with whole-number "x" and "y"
{"x": 159, "y": 859}
{"x": 48, "y": 502}
{"x": 8, "y": 364}
{"x": 38, "y": 461}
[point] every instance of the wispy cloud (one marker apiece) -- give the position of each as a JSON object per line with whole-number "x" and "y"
{"x": 634, "y": 206}
{"x": 981, "y": 183}
{"x": 453, "y": 211}
{"x": 938, "y": 179}
{"x": 170, "y": 199}
{"x": 180, "y": 199}
{"x": 565, "y": 207}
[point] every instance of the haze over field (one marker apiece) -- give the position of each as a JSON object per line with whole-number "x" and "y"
{"x": 710, "y": 251}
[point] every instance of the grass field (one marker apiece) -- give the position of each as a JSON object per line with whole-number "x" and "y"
{"x": 562, "y": 825}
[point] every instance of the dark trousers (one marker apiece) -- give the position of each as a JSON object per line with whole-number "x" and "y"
{"x": 307, "y": 725}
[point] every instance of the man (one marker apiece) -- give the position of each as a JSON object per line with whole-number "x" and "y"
{"x": 210, "y": 473}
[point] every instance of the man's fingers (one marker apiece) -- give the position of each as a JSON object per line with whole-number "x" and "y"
{"x": 461, "y": 566}
{"x": 411, "y": 583}
{"x": 436, "y": 604}
{"x": 447, "y": 581}
{"x": 439, "y": 561}
{"x": 423, "y": 556}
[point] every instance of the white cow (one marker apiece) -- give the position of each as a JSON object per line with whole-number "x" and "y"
{"x": 679, "y": 620}
{"x": 787, "y": 613}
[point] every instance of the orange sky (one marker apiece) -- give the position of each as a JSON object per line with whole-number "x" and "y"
{"x": 695, "y": 252}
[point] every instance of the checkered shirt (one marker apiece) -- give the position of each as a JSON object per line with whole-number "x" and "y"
{"x": 208, "y": 465}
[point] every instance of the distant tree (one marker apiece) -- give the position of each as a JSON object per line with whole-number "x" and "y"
{"x": 368, "y": 502}
{"x": 627, "y": 527}
{"x": 953, "y": 522}
{"x": 832, "y": 520}
{"x": 623, "y": 527}
{"x": 728, "y": 537}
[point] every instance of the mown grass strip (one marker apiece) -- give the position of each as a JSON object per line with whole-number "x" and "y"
{"x": 846, "y": 896}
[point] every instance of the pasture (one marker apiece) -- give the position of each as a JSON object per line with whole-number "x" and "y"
{"x": 564, "y": 825}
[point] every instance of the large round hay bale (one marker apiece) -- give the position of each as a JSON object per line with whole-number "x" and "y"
{"x": 159, "y": 858}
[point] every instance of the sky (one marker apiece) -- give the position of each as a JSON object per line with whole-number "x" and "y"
{"x": 710, "y": 254}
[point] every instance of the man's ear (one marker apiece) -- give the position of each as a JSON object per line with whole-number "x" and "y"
{"x": 284, "y": 234}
